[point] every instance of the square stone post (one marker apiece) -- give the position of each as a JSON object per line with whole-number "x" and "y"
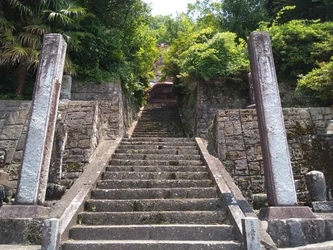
{"x": 278, "y": 172}
{"x": 279, "y": 178}
{"x": 35, "y": 164}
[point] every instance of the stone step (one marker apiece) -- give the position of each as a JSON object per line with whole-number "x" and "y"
{"x": 157, "y": 168}
{"x": 152, "y": 134}
{"x": 155, "y": 147}
{"x": 119, "y": 184}
{"x": 154, "y": 205}
{"x": 171, "y": 151}
{"x": 164, "y": 157}
{"x": 153, "y": 232}
{"x": 153, "y": 217}
{"x": 154, "y": 175}
{"x": 155, "y": 162}
{"x": 142, "y": 128}
{"x": 156, "y": 139}
{"x": 150, "y": 245}
{"x": 157, "y": 144}
{"x": 154, "y": 193}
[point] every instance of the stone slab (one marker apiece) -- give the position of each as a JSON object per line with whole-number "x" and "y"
{"x": 322, "y": 206}
{"x": 281, "y": 213}
{"x": 319, "y": 246}
{"x": 21, "y": 211}
{"x": 20, "y": 247}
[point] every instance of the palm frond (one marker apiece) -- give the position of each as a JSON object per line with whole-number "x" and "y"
{"x": 38, "y": 29}
{"x": 55, "y": 16}
{"x": 73, "y": 40}
{"x": 7, "y": 39}
{"x": 33, "y": 61}
{"x": 13, "y": 55}
{"x": 73, "y": 11}
{"x": 5, "y": 25}
{"x": 21, "y": 7}
{"x": 30, "y": 40}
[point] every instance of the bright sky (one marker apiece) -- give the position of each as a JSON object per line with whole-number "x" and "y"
{"x": 168, "y": 7}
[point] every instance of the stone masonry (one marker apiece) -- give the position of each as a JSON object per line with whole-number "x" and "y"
{"x": 237, "y": 143}
{"x": 87, "y": 121}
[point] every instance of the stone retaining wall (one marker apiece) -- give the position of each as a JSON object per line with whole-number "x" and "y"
{"x": 199, "y": 106}
{"x": 104, "y": 114}
{"x": 237, "y": 143}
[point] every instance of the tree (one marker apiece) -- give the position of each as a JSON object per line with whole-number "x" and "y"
{"x": 299, "y": 44}
{"x": 206, "y": 13}
{"x": 243, "y": 16}
{"x": 318, "y": 84}
{"x": 23, "y": 24}
{"x": 304, "y": 9}
{"x": 118, "y": 44}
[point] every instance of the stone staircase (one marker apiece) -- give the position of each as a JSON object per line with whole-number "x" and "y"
{"x": 155, "y": 194}
{"x": 159, "y": 120}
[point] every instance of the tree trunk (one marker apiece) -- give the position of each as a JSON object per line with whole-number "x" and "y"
{"x": 21, "y": 76}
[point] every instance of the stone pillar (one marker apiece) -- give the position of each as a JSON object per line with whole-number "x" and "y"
{"x": 316, "y": 184}
{"x": 39, "y": 139}
{"x": 278, "y": 172}
{"x": 66, "y": 88}
{"x": 58, "y": 149}
{"x": 251, "y": 233}
{"x": 252, "y": 98}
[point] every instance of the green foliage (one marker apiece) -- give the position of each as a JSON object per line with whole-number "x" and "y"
{"x": 206, "y": 13}
{"x": 318, "y": 83}
{"x": 118, "y": 44}
{"x": 243, "y": 16}
{"x": 299, "y": 44}
{"x": 22, "y": 26}
{"x": 304, "y": 9}
{"x": 216, "y": 57}
{"x": 206, "y": 55}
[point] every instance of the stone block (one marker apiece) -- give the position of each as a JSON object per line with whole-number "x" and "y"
{"x": 314, "y": 230}
{"x": 329, "y": 229}
{"x": 235, "y": 155}
{"x": 17, "y": 158}
{"x": 316, "y": 183}
{"x": 251, "y": 136}
{"x": 322, "y": 206}
{"x": 27, "y": 231}
{"x": 246, "y": 115}
{"x": 258, "y": 184}
{"x": 296, "y": 234}
{"x": 259, "y": 200}
{"x": 235, "y": 143}
{"x": 84, "y": 144}
{"x": 8, "y": 144}
{"x": 254, "y": 168}
{"x": 11, "y": 132}
{"x": 241, "y": 165}
{"x": 251, "y": 125}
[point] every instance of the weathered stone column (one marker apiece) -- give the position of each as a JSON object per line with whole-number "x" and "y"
{"x": 279, "y": 180}
{"x": 39, "y": 139}
{"x": 316, "y": 184}
{"x": 66, "y": 88}
{"x": 252, "y": 98}
{"x": 278, "y": 172}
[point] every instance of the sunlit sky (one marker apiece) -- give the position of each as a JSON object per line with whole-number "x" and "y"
{"x": 168, "y": 7}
